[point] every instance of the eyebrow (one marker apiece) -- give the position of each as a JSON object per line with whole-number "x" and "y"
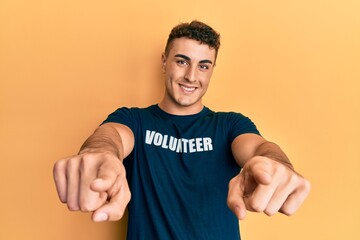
{"x": 189, "y": 59}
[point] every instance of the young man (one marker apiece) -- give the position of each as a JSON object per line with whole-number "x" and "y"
{"x": 179, "y": 161}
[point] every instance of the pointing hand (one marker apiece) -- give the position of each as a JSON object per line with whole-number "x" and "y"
{"x": 268, "y": 186}
{"x": 93, "y": 182}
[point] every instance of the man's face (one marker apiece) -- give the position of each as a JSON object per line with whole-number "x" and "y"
{"x": 188, "y": 69}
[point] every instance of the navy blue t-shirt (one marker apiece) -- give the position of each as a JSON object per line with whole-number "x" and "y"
{"x": 178, "y": 173}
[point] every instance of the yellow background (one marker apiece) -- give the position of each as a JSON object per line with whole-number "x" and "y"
{"x": 292, "y": 66}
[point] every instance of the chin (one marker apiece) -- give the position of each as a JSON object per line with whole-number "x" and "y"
{"x": 186, "y": 103}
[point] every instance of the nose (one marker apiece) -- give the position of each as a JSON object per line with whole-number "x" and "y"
{"x": 190, "y": 74}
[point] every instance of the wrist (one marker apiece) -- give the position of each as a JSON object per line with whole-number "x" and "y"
{"x": 101, "y": 150}
{"x": 272, "y": 151}
{"x": 286, "y": 163}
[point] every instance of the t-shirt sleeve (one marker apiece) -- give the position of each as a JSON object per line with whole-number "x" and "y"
{"x": 240, "y": 124}
{"x": 123, "y": 116}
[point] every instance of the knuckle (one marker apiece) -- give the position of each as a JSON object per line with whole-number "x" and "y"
{"x": 230, "y": 197}
{"x": 231, "y": 182}
{"x": 306, "y": 186}
{"x": 72, "y": 206}
{"x": 256, "y": 206}
{"x": 258, "y": 162}
{"x": 288, "y": 211}
{"x": 281, "y": 168}
{"x": 108, "y": 155}
{"x": 87, "y": 206}
{"x": 303, "y": 186}
{"x": 230, "y": 203}
{"x": 128, "y": 197}
{"x": 85, "y": 162}
{"x": 234, "y": 181}
{"x": 72, "y": 163}
{"x": 270, "y": 212}
{"x": 122, "y": 169}
{"x": 293, "y": 179}
{"x": 59, "y": 166}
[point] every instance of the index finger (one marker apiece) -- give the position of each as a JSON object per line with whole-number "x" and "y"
{"x": 106, "y": 176}
{"x": 259, "y": 199}
{"x": 114, "y": 209}
{"x": 260, "y": 170}
{"x": 259, "y": 185}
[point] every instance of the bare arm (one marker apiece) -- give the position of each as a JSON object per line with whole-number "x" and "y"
{"x": 246, "y": 146}
{"x": 268, "y": 182}
{"x": 95, "y": 179}
{"x": 113, "y": 137}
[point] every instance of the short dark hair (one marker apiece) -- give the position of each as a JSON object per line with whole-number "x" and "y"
{"x": 195, "y": 30}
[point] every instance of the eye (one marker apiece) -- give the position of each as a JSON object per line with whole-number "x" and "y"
{"x": 181, "y": 62}
{"x": 204, "y": 67}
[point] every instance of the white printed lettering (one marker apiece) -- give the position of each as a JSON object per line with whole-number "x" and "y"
{"x": 149, "y": 136}
{"x": 172, "y": 143}
{"x": 185, "y": 141}
{"x": 179, "y": 149}
{"x": 158, "y": 139}
{"x": 192, "y": 145}
{"x": 164, "y": 144}
{"x": 199, "y": 147}
{"x": 208, "y": 144}
{"x": 179, "y": 145}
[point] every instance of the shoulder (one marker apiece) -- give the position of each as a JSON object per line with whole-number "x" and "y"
{"x": 133, "y": 110}
{"x": 235, "y": 123}
{"x": 229, "y": 116}
{"x": 127, "y": 115}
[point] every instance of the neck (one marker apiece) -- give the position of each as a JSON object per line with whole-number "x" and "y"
{"x": 177, "y": 109}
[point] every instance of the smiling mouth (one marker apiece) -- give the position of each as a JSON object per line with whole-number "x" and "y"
{"x": 187, "y": 89}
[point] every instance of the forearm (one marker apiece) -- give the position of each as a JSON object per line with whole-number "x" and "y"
{"x": 274, "y": 152}
{"x": 105, "y": 138}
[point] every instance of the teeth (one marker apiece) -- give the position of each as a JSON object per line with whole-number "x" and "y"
{"x": 188, "y": 89}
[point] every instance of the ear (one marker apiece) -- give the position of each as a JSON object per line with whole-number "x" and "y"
{"x": 163, "y": 62}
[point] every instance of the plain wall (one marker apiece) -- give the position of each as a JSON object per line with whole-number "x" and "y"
{"x": 291, "y": 66}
